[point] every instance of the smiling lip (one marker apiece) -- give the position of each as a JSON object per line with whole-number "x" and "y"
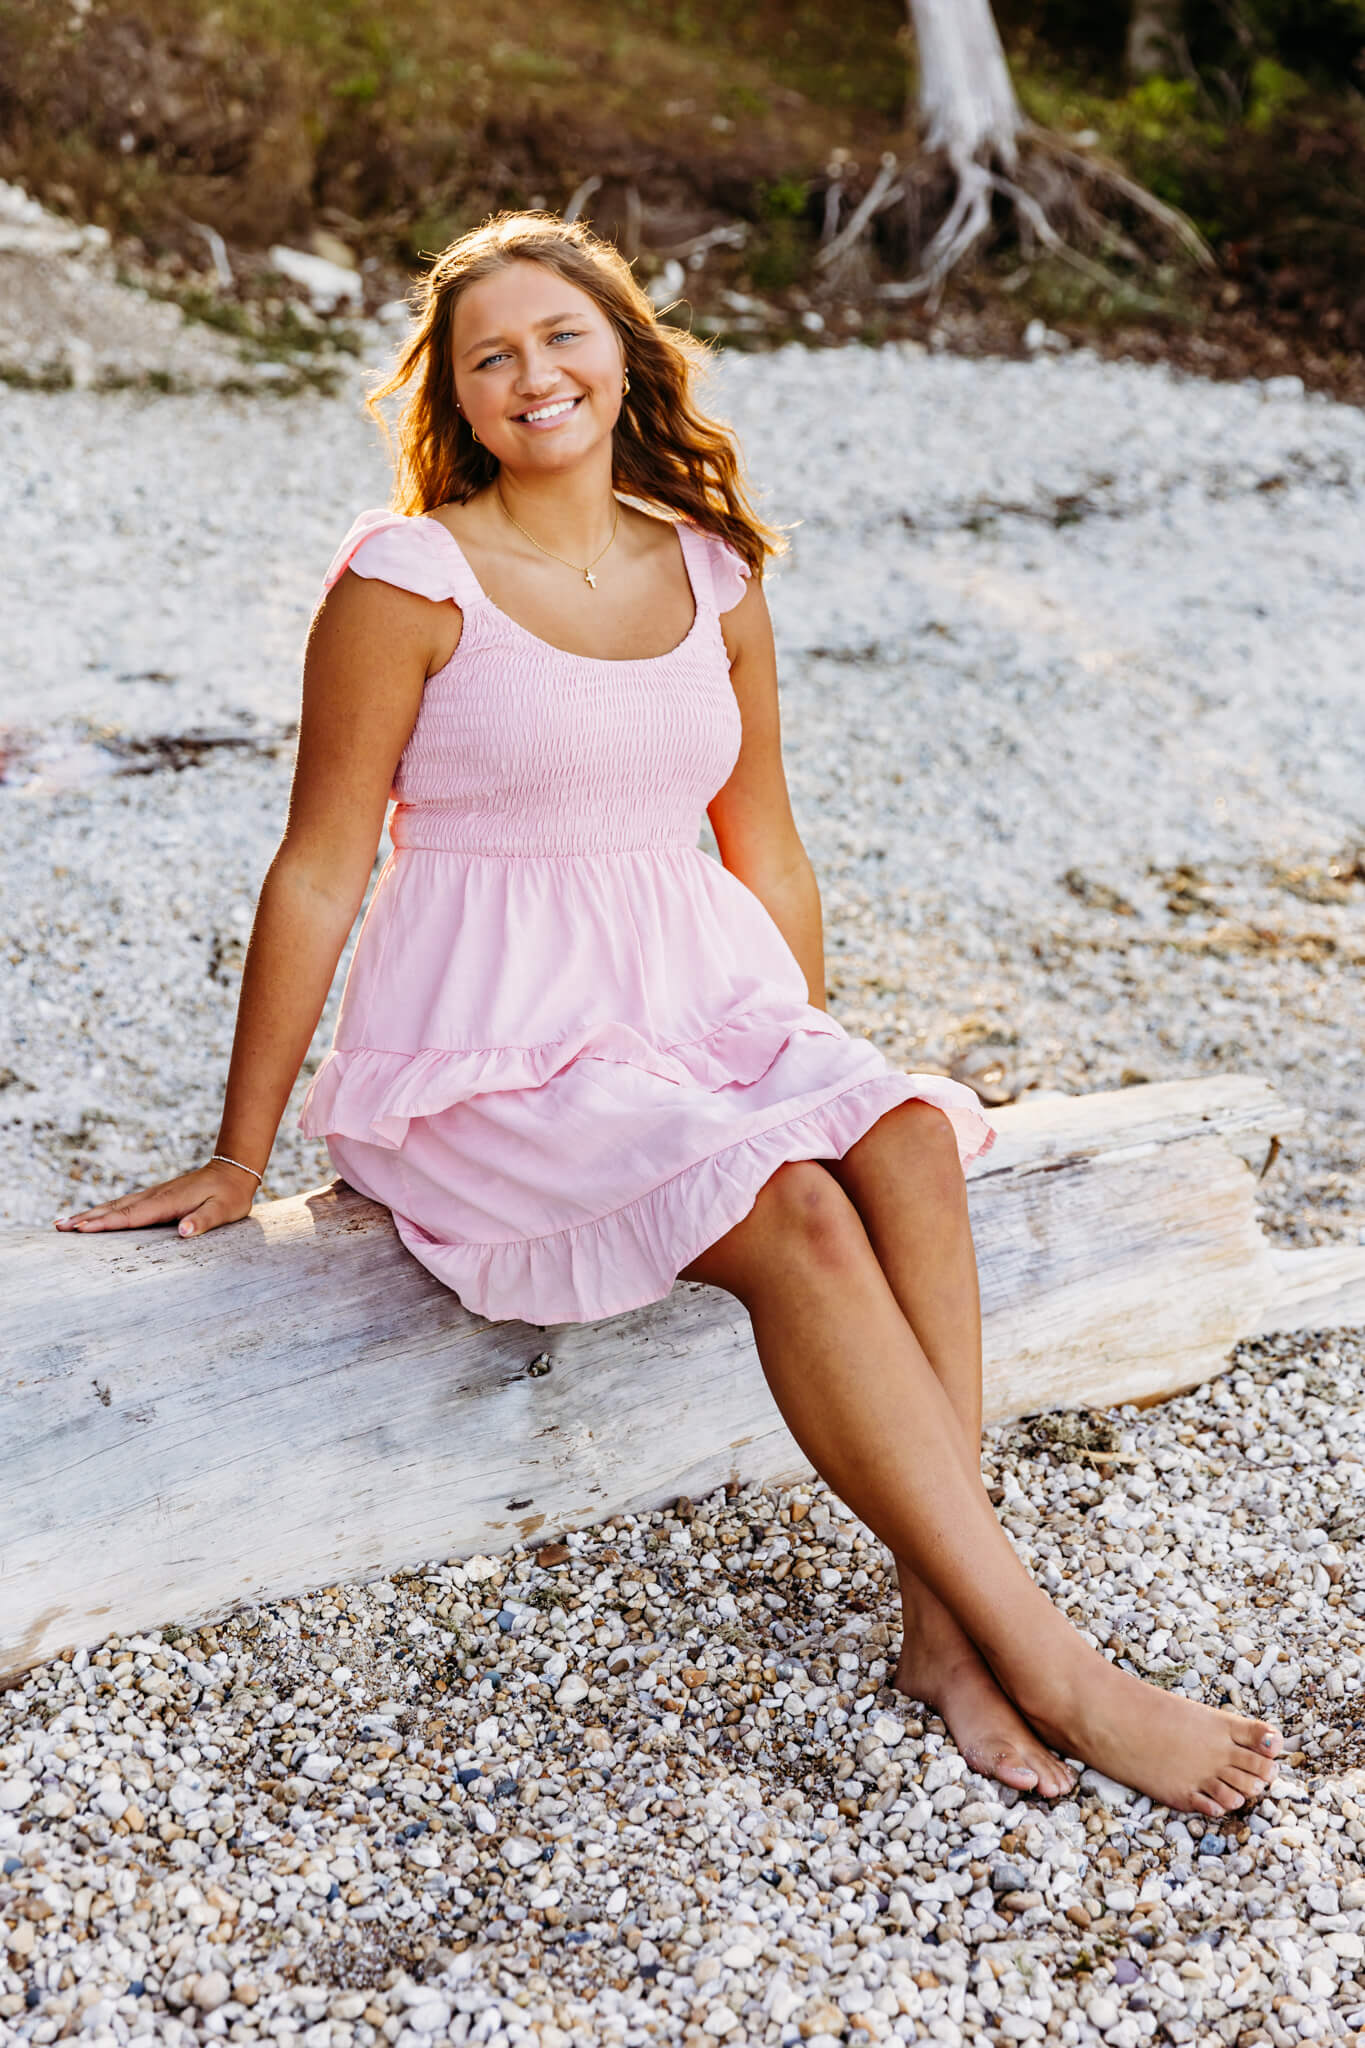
{"x": 550, "y": 412}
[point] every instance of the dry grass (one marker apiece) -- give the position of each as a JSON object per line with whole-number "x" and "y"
{"x": 395, "y": 126}
{"x": 399, "y": 126}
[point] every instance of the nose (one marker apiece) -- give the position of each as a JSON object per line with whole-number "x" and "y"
{"x": 537, "y": 373}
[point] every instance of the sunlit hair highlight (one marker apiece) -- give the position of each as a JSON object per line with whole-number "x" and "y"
{"x": 666, "y": 452}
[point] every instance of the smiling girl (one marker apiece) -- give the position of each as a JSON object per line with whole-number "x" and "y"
{"x": 578, "y": 1058}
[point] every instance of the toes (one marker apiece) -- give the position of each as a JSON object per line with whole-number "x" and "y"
{"x": 1054, "y": 1778}
{"x": 1260, "y": 1737}
{"x": 1055, "y": 1775}
{"x": 1046, "y": 1775}
{"x": 1200, "y": 1802}
{"x": 1245, "y": 1783}
{"x": 1004, "y": 1763}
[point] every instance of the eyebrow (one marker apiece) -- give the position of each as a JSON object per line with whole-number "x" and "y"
{"x": 498, "y": 340}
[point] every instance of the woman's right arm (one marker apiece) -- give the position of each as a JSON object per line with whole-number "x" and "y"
{"x": 370, "y": 649}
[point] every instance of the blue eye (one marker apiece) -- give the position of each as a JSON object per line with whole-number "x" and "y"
{"x": 565, "y": 334}
{"x": 490, "y": 359}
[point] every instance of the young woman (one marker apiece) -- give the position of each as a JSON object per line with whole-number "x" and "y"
{"x": 576, "y": 1057}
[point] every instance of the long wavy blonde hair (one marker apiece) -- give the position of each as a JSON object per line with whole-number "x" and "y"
{"x": 666, "y": 451}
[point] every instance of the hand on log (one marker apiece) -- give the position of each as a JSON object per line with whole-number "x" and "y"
{"x": 201, "y": 1200}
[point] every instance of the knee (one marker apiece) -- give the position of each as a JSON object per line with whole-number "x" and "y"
{"x": 807, "y": 1211}
{"x": 929, "y": 1146}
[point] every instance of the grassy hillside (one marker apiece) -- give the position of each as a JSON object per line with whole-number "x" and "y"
{"x": 393, "y": 126}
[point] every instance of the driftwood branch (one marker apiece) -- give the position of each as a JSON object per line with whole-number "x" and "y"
{"x": 1103, "y": 171}
{"x": 883, "y": 191}
{"x": 191, "y": 1425}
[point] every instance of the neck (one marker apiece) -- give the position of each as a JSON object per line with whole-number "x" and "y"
{"x": 572, "y": 512}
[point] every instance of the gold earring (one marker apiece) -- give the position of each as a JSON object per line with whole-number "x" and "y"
{"x": 626, "y": 385}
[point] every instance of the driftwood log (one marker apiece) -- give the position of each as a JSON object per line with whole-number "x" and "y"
{"x": 190, "y": 1426}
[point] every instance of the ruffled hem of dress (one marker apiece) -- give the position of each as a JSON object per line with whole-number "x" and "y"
{"x": 367, "y": 1093}
{"x": 575, "y": 1275}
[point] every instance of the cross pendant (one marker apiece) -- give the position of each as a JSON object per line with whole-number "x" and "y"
{"x": 590, "y": 579}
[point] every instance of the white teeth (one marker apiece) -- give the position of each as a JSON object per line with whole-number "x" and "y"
{"x": 550, "y": 412}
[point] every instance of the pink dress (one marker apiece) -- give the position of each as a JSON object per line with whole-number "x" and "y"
{"x": 572, "y": 1046}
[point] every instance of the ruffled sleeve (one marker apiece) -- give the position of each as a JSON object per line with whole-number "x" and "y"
{"x": 417, "y": 554}
{"x": 729, "y": 573}
{"x": 718, "y": 573}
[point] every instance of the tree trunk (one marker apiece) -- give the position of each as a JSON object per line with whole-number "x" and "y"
{"x": 192, "y": 1424}
{"x": 966, "y": 100}
{"x": 968, "y": 111}
{"x": 969, "y": 114}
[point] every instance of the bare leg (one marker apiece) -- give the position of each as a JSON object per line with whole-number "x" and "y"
{"x": 907, "y": 1185}
{"x": 861, "y": 1399}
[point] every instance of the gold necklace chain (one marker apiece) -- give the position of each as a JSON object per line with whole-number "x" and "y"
{"x": 584, "y": 572}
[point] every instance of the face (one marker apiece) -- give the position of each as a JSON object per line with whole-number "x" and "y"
{"x": 538, "y": 367}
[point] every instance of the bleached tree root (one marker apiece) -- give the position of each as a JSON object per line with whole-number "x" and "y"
{"x": 1087, "y": 185}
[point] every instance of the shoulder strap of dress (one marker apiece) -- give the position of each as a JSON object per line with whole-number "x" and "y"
{"x": 718, "y": 574}
{"x": 416, "y": 553}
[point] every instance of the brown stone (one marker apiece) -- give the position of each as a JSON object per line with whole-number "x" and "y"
{"x": 553, "y": 1553}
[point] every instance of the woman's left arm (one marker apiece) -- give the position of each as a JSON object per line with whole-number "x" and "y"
{"x": 752, "y": 815}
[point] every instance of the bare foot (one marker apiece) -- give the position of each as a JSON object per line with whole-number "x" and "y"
{"x": 1181, "y": 1753}
{"x": 941, "y": 1666}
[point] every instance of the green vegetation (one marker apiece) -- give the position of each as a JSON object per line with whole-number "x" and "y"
{"x": 394, "y": 127}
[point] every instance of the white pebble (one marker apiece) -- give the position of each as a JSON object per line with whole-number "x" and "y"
{"x": 210, "y": 1990}
{"x": 518, "y": 1850}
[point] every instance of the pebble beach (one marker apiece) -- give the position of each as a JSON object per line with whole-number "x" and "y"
{"x": 1071, "y": 701}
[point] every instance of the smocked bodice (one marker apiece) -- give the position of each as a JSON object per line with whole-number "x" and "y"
{"x": 521, "y": 748}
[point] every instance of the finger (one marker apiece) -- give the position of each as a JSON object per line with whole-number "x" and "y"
{"x": 134, "y": 1212}
{"x": 80, "y": 1216}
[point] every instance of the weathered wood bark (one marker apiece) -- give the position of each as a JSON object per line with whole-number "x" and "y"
{"x": 1322, "y": 1288}
{"x": 294, "y": 1400}
{"x": 966, "y": 100}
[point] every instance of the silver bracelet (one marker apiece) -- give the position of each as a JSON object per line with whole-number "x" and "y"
{"x": 236, "y": 1162}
